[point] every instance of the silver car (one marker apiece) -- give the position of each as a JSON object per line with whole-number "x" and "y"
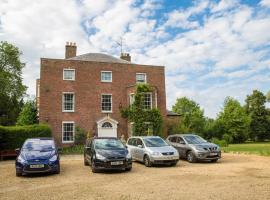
{"x": 152, "y": 150}
{"x": 194, "y": 148}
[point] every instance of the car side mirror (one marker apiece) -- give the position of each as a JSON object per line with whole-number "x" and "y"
{"x": 17, "y": 151}
{"x": 140, "y": 146}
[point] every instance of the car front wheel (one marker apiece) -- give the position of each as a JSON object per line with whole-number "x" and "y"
{"x": 147, "y": 161}
{"x": 191, "y": 157}
{"x": 94, "y": 170}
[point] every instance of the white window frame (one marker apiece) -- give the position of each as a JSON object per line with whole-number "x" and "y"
{"x": 145, "y": 81}
{"x": 106, "y": 111}
{"x": 68, "y": 69}
{"x": 151, "y": 97}
{"x": 105, "y": 81}
{"x": 63, "y": 99}
{"x": 68, "y": 122}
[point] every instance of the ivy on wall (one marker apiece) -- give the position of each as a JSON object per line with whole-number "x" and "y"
{"x": 146, "y": 121}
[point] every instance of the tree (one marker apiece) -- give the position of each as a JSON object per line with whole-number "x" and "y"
{"x": 235, "y": 121}
{"x": 145, "y": 121}
{"x": 11, "y": 87}
{"x": 28, "y": 115}
{"x": 192, "y": 115}
{"x": 255, "y": 107}
{"x": 268, "y": 96}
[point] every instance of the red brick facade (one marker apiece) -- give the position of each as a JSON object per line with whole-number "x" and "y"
{"x": 87, "y": 88}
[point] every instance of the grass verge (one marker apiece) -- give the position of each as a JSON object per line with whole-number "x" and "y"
{"x": 260, "y": 148}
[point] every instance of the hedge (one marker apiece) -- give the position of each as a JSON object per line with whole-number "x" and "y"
{"x": 12, "y": 137}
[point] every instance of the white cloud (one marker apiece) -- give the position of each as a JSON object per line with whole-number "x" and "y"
{"x": 265, "y": 3}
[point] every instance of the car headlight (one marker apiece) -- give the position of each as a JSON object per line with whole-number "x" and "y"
{"x": 20, "y": 159}
{"x": 52, "y": 159}
{"x": 200, "y": 148}
{"x": 100, "y": 157}
{"x": 155, "y": 153}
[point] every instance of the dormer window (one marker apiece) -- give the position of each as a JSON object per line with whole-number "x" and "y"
{"x": 69, "y": 74}
{"x": 140, "y": 77}
{"x": 106, "y": 76}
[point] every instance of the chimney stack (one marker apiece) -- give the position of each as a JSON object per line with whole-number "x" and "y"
{"x": 125, "y": 56}
{"x": 71, "y": 50}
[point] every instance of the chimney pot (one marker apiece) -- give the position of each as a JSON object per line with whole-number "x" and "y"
{"x": 125, "y": 56}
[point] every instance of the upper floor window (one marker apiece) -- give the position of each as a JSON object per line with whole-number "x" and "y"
{"x": 69, "y": 74}
{"x": 140, "y": 77}
{"x": 106, "y": 76}
{"x": 68, "y": 100}
{"x": 106, "y": 103}
{"x": 147, "y": 101}
{"x": 68, "y": 130}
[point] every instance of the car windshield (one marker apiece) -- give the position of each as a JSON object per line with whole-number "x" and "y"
{"x": 194, "y": 139}
{"x": 154, "y": 142}
{"x": 39, "y": 145}
{"x": 108, "y": 144}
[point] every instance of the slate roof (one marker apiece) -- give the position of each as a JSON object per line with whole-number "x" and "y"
{"x": 99, "y": 57}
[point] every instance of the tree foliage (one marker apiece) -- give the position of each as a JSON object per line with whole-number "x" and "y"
{"x": 234, "y": 121}
{"x": 28, "y": 115}
{"x": 146, "y": 121}
{"x": 193, "y": 119}
{"x": 12, "y": 89}
{"x": 260, "y": 124}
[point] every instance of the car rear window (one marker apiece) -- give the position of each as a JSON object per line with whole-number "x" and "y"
{"x": 39, "y": 145}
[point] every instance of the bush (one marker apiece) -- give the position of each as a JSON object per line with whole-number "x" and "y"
{"x": 80, "y": 135}
{"x": 221, "y": 143}
{"x": 12, "y": 137}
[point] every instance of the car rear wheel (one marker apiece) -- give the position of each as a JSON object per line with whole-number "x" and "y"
{"x": 191, "y": 157}
{"x": 147, "y": 161}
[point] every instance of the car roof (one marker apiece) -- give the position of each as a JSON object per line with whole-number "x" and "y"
{"x": 188, "y": 134}
{"x": 96, "y": 138}
{"x": 144, "y": 137}
{"x": 40, "y": 138}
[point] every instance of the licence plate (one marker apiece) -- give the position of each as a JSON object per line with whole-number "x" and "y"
{"x": 213, "y": 154}
{"x": 36, "y": 166}
{"x": 117, "y": 163}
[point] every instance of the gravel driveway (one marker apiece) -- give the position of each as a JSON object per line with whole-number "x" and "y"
{"x": 235, "y": 176}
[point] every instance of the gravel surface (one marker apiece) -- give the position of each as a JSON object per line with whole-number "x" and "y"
{"x": 235, "y": 176}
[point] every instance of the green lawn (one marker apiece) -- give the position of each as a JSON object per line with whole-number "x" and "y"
{"x": 262, "y": 148}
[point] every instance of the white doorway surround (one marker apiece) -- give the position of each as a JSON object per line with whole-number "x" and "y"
{"x": 107, "y": 127}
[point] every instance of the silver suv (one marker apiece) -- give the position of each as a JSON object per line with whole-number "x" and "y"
{"x": 194, "y": 148}
{"x": 152, "y": 150}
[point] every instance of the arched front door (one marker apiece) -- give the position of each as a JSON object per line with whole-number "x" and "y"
{"x": 107, "y": 127}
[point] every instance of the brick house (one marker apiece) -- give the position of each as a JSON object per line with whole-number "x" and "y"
{"x": 89, "y": 90}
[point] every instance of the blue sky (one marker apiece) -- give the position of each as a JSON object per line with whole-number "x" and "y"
{"x": 210, "y": 48}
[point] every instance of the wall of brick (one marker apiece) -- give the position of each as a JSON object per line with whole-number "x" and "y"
{"x": 88, "y": 88}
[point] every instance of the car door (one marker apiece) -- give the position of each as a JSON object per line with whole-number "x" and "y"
{"x": 140, "y": 149}
{"x": 181, "y": 146}
{"x": 131, "y": 147}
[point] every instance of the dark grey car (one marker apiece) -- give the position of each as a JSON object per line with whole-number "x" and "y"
{"x": 194, "y": 148}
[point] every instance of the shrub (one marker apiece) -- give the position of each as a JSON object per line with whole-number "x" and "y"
{"x": 221, "y": 143}
{"x": 12, "y": 137}
{"x": 80, "y": 135}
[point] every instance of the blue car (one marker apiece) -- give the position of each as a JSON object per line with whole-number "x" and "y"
{"x": 37, "y": 155}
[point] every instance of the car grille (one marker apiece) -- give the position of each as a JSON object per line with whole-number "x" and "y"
{"x": 167, "y": 153}
{"x": 210, "y": 149}
{"x": 116, "y": 158}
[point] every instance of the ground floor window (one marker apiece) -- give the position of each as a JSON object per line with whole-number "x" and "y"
{"x": 68, "y": 129}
